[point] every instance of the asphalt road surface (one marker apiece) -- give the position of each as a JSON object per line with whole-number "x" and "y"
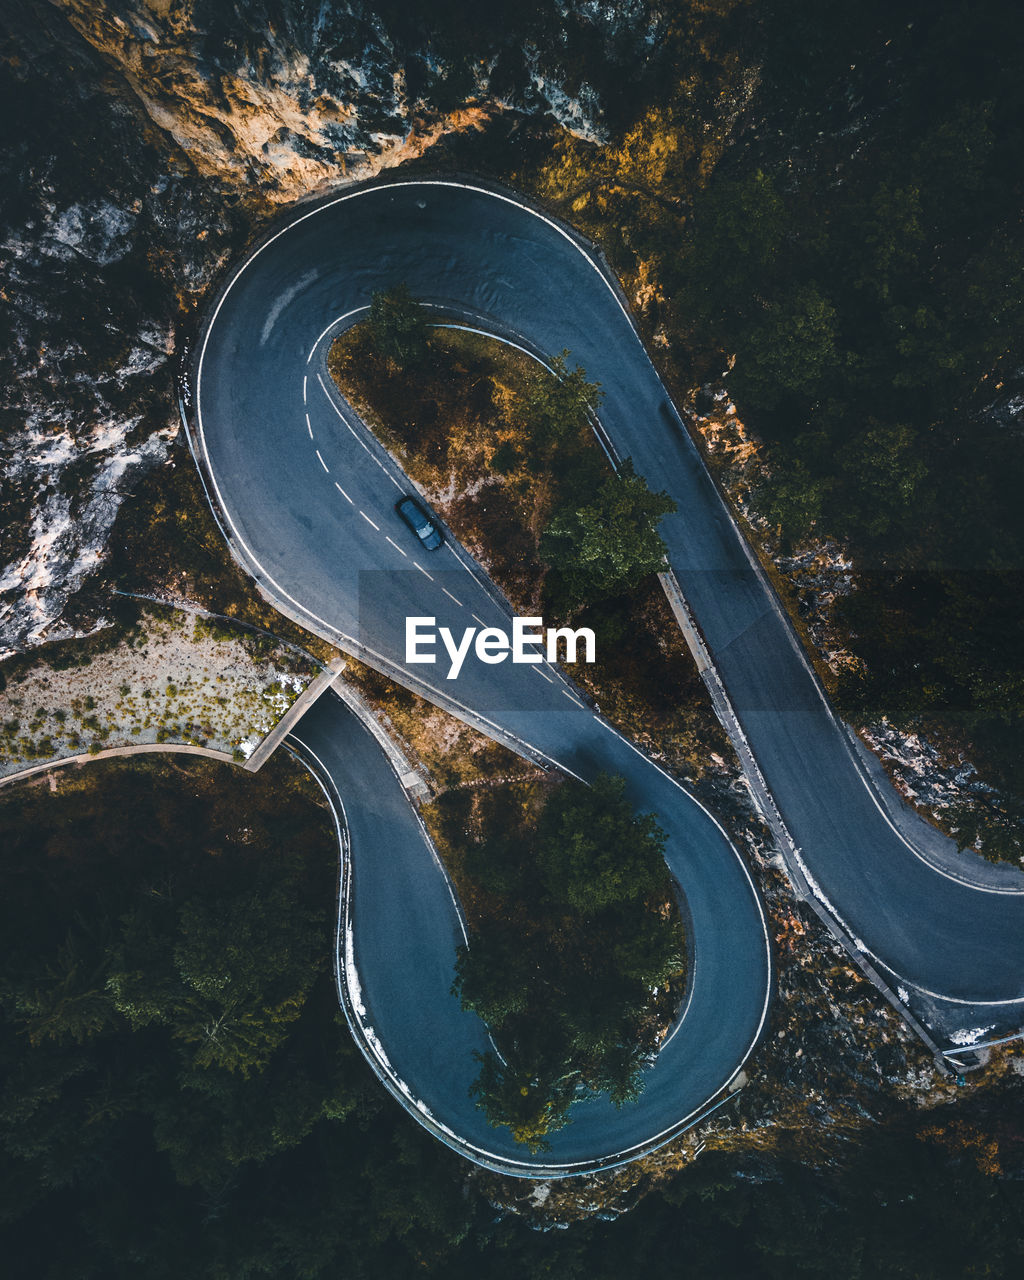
{"x": 307, "y": 499}
{"x": 405, "y": 924}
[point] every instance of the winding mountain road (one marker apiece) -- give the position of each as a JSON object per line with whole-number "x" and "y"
{"x": 306, "y": 499}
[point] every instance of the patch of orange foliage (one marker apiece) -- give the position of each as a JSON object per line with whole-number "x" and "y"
{"x": 960, "y": 1137}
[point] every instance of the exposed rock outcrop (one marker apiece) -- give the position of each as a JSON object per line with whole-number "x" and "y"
{"x": 145, "y": 141}
{"x": 279, "y": 99}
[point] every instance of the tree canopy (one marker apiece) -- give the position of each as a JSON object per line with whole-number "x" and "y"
{"x": 594, "y": 852}
{"x": 602, "y": 547}
{"x": 554, "y": 408}
{"x": 871, "y": 300}
{"x": 399, "y": 327}
{"x": 564, "y": 969}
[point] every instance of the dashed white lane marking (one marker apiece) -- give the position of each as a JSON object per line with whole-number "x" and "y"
{"x": 451, "y": 597}
{"x": 357, "y": 436}
{"x": 343, "y": 493}
{"x": 422, "y": 570}
{"x": 322, "y": 463}
{"x": 396, "y": 546}
{"x": 250, "y": 554}
{"x": 478, "y": 619}
{"x": 572, "y": 699}
{"x": 309, "y": 427}
{"x": 304, "y": 388}
{"x": 369, "y": 521}
{"x": 537, "y": 671}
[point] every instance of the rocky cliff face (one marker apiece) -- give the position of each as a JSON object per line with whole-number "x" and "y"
{"x": 281, "y": 98}
{"x": 145, "y": 140}
{"x": 99, "y": 240}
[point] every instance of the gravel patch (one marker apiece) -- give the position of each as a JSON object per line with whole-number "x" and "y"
{"x": 179, "y": 679}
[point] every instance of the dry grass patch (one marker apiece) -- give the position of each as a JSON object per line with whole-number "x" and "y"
{"x": 456, "y": 427}
{"x": 174, "y": 678}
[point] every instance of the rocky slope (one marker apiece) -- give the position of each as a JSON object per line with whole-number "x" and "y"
{"x": 146, "y": 140}
{"x": 100, "y": 237}
{"x": 282, "y": 98}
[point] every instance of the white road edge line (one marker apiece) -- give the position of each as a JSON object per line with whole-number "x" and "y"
{"x": 334, "y": 323}
{"x": 356, "y": 435}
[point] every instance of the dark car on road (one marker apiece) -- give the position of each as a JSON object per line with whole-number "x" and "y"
{"x": 422, "y": 525}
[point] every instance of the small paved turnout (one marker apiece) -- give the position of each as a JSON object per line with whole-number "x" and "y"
{"x": 306, "y": 499}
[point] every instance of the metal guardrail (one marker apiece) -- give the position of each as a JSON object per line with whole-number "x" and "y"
{"x": 769, "y": 810}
